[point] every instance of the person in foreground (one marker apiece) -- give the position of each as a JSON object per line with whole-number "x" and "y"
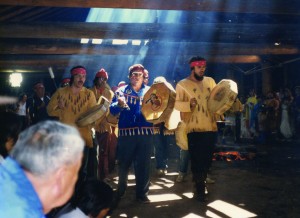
{"x": 41, "y": 171}
{"x": 191, "y": 100}
{"x": 94, "y": 199}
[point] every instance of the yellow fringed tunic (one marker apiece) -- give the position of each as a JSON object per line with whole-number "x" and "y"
{"x": 75, "y": 105}
{"x": 200, "y": 119}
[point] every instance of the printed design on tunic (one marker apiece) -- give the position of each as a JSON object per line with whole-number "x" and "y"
{"x": 75, "y": 102}
{"x": 131, "y": 98}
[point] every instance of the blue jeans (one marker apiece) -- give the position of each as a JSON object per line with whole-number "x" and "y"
{"x": 161, "y": 150}
{"x": 184, "y": 161}
{"x": 137, "y": 150}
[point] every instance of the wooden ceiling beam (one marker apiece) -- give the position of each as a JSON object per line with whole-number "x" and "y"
{"x": 234, "y": 6}
{"x": 159, "y": 48}
{"x": 165, "y": 32}
{"x": 43, "y": 64}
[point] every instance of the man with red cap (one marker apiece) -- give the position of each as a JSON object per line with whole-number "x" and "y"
{"x": 105, "y": 138}
{"x": 69, "y": 103}
{"x": 65, "y": 82}
{"x": 191, "y": 100}
{"x": 135, "y": 134}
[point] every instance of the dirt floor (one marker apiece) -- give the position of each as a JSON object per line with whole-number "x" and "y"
{"x": 266, "y": 186}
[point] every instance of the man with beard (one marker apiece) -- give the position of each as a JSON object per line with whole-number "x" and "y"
{"x": 191, "y": 100}
{"x": 106, "y": 140}
{"x": 68, "y": 103}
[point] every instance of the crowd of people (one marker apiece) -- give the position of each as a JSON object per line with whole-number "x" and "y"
{"x": 58, "y": 167}
{"x": 267, "y": 118}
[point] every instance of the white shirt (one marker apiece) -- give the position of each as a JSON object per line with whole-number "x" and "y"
{"x": 22, "y": 109}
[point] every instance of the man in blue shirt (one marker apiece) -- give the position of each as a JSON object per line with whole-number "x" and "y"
{"x": 41, "y": 171}
{"x": 135, "y": 134}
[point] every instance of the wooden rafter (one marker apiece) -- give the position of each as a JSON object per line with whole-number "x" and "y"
{"x": 162, "y": 48}
{"x": 235, "y": 6}
{"x": 165, "y": 32}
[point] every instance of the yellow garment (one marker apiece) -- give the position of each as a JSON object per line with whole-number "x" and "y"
{"x": 251, "y": 101}
{"x": 102, "y": 125}
{"x": 200, "y": 119}
{"x": 75, "y": 105}
{"x": 107, "y": 93}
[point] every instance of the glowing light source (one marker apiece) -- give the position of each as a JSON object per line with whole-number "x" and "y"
{"x": 120, "y": 42}
{"x": 97, "y": 41}
{"x": 15, "y": 79}
{"x": 84, "y": 41}
{"x": 277, "y": 43}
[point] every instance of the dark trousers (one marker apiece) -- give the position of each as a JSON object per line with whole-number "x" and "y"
{"x": 201, "y": 147}
{"x": 137, "y": 150}
{"x": 160, "y": 142}
{"x": 89, "y": 163}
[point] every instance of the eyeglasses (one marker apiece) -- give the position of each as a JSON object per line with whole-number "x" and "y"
{"x": 136, "y": 74}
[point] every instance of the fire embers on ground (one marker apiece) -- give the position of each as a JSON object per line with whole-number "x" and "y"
{"x": 224, "y": 154}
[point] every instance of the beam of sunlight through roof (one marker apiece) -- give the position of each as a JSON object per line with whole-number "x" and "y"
{"x": 84, "y": 41}
{"x": 136, "y": 42}
{"x": 97, "y": 41}
{"x": 230, "y": 209}
{"x": 108, "y": 15}
{"x": 168, "y": 16}
{"x": 159, "y": 67}
{"x": 120, "y": 41}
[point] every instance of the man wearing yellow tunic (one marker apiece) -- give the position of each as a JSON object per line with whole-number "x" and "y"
{"x": 68, "y": 103}
{"x": 105, "y": 138}
{"x": 191, "y": 100}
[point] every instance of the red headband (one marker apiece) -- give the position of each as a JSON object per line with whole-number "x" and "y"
{"x": 102, "y": 73}
{"x": 198, "y": 63}
{"x": 65, "y": 80}
{"x": 136, "y": 67}
{"x": 77, "y": 71}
